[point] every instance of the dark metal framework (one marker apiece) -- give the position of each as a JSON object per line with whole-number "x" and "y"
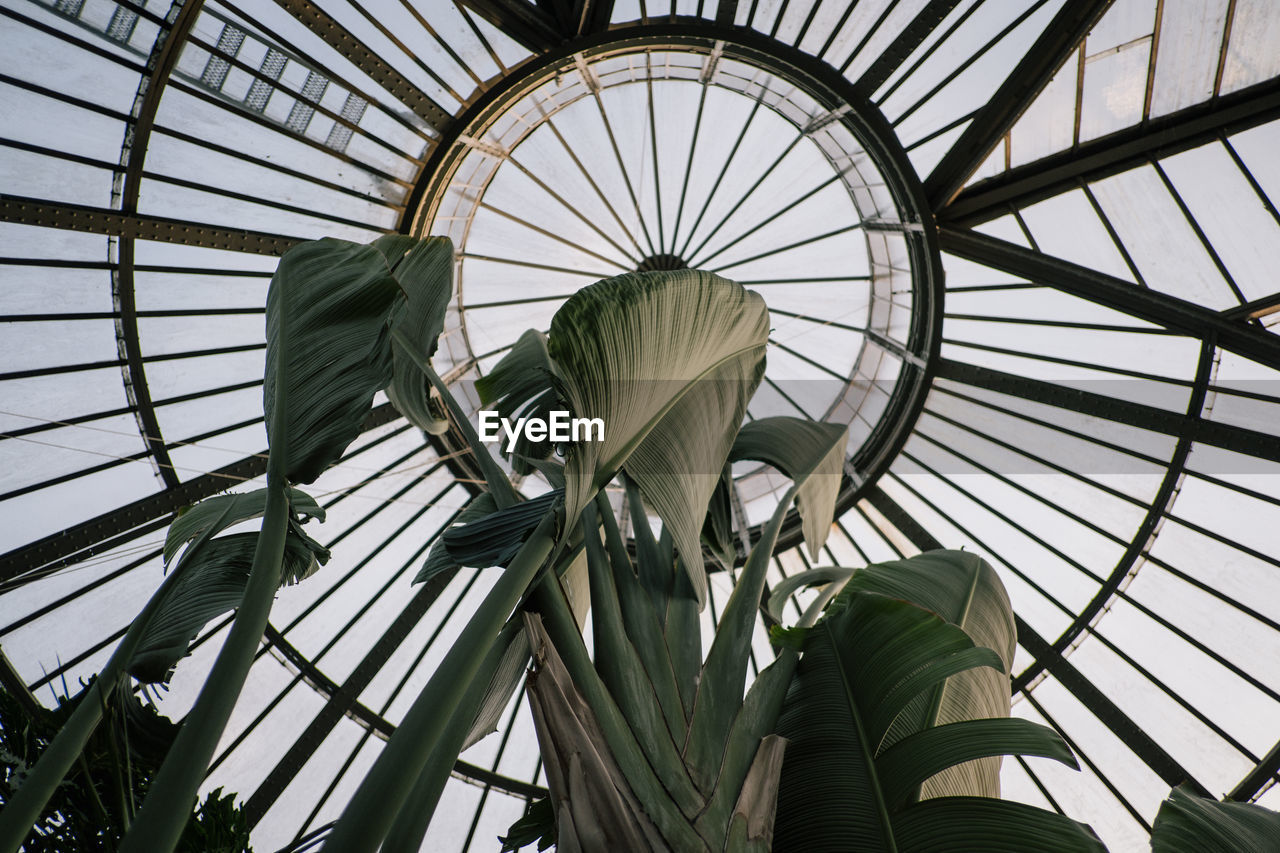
{"x": 876, "y": 524}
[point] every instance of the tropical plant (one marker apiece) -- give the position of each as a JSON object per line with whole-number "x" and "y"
{"x": 333, "y": 311}
{"x": 1190, "y": 824}
{"x": 878, "y": 725}
{"x": 94, "y": 805}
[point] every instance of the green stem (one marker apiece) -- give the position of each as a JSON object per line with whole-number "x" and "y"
{"x": 504, "y": 494}
{"x": 23, "y": 810}
{"x": 369, "y": 815}
{"x": 724, "y": 674}
{"x": 173, "y": 790}
{"x": 411, "y": 823}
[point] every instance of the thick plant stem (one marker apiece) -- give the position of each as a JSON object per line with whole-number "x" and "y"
{"x": 368, "y": 817}
{"x": 173, "y": 791}
{"x": 23, "y": 810}
{"x": 411, "y": 823}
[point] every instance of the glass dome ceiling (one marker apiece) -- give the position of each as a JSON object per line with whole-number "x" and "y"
{"x": 1026, "y": 249}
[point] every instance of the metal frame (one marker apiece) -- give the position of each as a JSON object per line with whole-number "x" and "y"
{"x": 830, "y": 89}
{"x": 1060, "y": 38}
{"x": 1114, "y": 153}
{"x": 562, "y": 27}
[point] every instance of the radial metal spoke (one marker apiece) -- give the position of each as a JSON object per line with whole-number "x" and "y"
{"x": 590, "y": 180}
{"x": 617, "y": 154}
{"x": 743, "y": 200}
{"x": 653, "y": 145}
{"x": 769, "y": 219}
{"x": 797, "y": 244}
{"x": 586, "y": 220}
{"x": 531, "y": 265}
{"x": 545, "y": 232}
{"x": 707, "y": 72}
{"x": 724, "y": 170}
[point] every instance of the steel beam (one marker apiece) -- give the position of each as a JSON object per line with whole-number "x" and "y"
{"x": 380, "y": 726}
{"x": 342, "y": 699}
{"x": 1175, "y": 314}
{"x": 112, "y": 529}
{"x": 101, "y": 220}
{"x": 591, "y": 16}
{"x": 910, "y": 38}
{"x": 1121, "y": 725}
{"x": 378, "y": 69}
{"x": 1114, "y": 153}
{"x": 530, "y": 25}
{"x": 1216, "y": 433}
{"x": 1048, "y": 657}
{"x": 1038, "y": 65}
{"x": 1267, "y": 769}
{"x": 164, "y": 54}
{"x": 726, "y": 12}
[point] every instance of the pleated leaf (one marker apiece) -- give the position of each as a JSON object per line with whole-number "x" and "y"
{"x": 917, "y": 757}
{"x": 495, "y": 539}
{"x": 424, "y": 270}
{"x": 328, "y": 310}
{"x": 984, "y": 825}
{"x": 843, "y": 790}
{"x": 965, "y": 590}
{"x": 438, "y": 558}
{"x": 811, "y": 453}
{"x": 860, "y": 668}
{"x": 668, "y": 360}
{"x": 1190, "y": 824}
{"x": 211, "y": 584}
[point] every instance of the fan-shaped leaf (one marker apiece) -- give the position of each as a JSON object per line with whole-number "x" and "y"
{"x": 1190, "y": 824}
{"x": 811, "y": 453}
{"x": 668, "y": 361}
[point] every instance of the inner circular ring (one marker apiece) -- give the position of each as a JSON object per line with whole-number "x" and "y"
{"x": 666, "y": 150}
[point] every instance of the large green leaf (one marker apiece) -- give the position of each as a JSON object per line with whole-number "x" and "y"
{"x": 985, "y": 825}
{"x": 424, "y": 270}
{"x": 809, "y": 452}
{"x": 212, "y": 583}
{"x": 841, "y": 790}
{"x": 965, "y": 590}
{"x": 668, "y": 361}
{"x": 328, "y": 310}
{"x": 494, "y": 539}
{"x": 917, "y": 757}
{"x": 213, "y": 515}
{"x": 1190, "y": 824}
{"x": 438, "y": 558}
